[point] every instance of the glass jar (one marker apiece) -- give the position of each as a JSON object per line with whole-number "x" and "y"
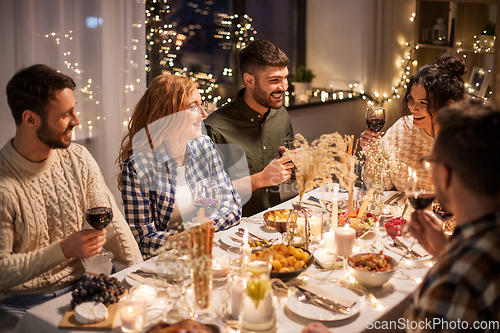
{"x": 297, "y": 227}
{"x": 258, "y": 310}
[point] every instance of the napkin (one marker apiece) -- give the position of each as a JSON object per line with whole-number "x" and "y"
{"x": 328, "y": 295}
{"x": 148, "y": 280}
{"x": 416, "y": 247}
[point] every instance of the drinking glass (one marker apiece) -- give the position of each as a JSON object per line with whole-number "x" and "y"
{"x": 288, "y": 144}
{"x": 420, "y": 197}
{"x": 99, "y": 213}
{"x": 207, "y": 196}
{"x": 375, "y": 118}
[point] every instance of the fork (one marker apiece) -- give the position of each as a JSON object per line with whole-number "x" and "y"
{"x": 304, "y": 299}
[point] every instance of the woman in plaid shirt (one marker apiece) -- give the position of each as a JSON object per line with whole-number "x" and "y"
{"x": 162, "y": 158}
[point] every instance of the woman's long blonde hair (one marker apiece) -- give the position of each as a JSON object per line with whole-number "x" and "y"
{"x": 165, "y": 96}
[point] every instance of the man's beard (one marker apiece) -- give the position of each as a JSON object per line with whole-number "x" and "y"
{"x": 264, "y": 99}
{"x": 50, "y": 138}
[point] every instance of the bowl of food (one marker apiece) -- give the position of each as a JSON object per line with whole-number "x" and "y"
{"x": 288, "y": 261}
{"x": 371, "y": 269}
{"x": 393, "y": 226}
{"x": 276, "y": 219}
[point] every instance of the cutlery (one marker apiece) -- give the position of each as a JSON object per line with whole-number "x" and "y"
{"x": 391, "y": 243}
{"x": 305, "y": 295}
{"x": 144, "y": 274}
{"x": 325, "y": 300}
{"x": 241, "y": 231}
{"x": 394, "y": 198}
{"x": 409, "y": 249}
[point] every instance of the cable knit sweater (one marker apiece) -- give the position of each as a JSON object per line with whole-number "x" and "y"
{"x": 41, "y": 204}
{"x": 412, "y": 143}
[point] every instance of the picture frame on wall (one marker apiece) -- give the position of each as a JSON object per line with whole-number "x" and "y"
{"x": 479, "y": 80}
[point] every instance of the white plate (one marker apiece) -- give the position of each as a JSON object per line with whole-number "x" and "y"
{"x": 314, "y": 312}
{"x": 400, "y": 252}
{"x": 228, "y": 241}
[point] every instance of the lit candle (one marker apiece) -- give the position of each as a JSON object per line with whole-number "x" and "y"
{"x": 344, "y": 240}
{"x": 220, "y": 269}
{"x": 334, "y": 221}
{"x": 146, "y": 292}
{"x": 247, "y": 251}
{"x": 329, "y": 241}
{"x": 238, "y": 287}
{"x": 287, "y": 101}
{"x": 132, "y": 314}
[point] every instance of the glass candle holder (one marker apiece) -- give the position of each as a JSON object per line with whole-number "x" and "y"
{"x": 258, "y": 306}
{"x": 146, "y": 292}
{"x": 132, "y": 312}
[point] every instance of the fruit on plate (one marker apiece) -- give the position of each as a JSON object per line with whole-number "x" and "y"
{"x": 360, "y": 225}
{"x": 103, "y": 289}
{"x": 393, "y": 226}
{"x": 90, "y": 312}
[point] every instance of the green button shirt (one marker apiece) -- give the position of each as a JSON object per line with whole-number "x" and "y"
{"x": 259, "y": 136}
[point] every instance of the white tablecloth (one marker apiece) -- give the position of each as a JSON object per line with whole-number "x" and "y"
{"x": 393, "y": 296}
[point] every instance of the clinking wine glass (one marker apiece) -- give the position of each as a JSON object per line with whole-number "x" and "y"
{"x": 207, "y": 196}
{"x": 420, "y": 197}
{"x": 99, "y": 213}
{"x": 375, "y": 118}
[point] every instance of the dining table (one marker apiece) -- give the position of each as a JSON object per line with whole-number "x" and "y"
{"x": 377, "y": 307}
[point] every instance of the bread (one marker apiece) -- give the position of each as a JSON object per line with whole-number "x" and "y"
{"x": 183, "y": 326}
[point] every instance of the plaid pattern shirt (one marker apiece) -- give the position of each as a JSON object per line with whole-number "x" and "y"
{"x": 149, "y": 187}
{"x": 464, "y": 284}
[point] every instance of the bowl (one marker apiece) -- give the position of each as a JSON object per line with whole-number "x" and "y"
{"x": 371, "y": 279}
{"x": 279, "y": 226}
{"x": 393, "y": 226}
{"x": 286, "y": 276}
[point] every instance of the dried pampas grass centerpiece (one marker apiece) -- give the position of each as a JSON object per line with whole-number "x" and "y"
{"x": 316, "y": 163}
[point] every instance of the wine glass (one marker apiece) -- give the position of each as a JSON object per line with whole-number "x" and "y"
{"x": 99, "y": 213}
{"x": 375, "y": 118}
{"x": 207, "y": 196}
{"x": 288, "y": 144}
{"x": 420, "y": 197}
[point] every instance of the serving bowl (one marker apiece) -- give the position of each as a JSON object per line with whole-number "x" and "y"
{"x": 371, "y": 279}
{"x": 279, "y": 226}
{"x": 286, "y": 276}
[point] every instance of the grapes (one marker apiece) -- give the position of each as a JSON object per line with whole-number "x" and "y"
{"x": 100, "y": 288}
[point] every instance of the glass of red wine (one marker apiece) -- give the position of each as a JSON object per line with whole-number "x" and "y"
{"x": 420, "y": 198}
{"x": 99, "y": 212}
{"x": 375, "y": 118}
{"x": 207, "y": 196}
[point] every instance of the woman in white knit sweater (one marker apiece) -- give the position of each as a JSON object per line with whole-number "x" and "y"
{"x": 432, "y": 87}
{"x": 43, "y": 181}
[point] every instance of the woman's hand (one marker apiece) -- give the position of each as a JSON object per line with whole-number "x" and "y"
{"x": 367, "y": 137}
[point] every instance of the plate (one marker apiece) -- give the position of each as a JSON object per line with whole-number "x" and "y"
{"x": 226, "y": 238}
{"x": 228, "y": 241}
{"x": 314, "y": 312}
{"x": 400, "y": 252}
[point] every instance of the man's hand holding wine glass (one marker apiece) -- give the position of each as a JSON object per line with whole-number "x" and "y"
{"x": 84, "y": 243}
{"x": 427, "y": 230}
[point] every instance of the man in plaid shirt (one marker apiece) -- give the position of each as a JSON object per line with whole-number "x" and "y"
{"x": 462, "y": 290}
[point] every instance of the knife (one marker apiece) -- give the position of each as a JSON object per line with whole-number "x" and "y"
{"x": 318, "y": 301}
{"x": 410, "y": 250}
{"x": 339, "y": 306}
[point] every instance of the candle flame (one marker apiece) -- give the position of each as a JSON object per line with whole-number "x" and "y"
{"x": 245, "y": 237}
{"x": 346, "y": 225}
{"x": 331, "y": 229}
{"x": 336, "y": 189}
{"x": 409, "y": 172}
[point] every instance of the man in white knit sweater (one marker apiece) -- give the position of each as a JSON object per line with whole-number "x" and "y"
{"x": 44, "y": 179}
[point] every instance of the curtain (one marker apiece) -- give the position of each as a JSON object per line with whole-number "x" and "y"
{"x": 100, "y": 44}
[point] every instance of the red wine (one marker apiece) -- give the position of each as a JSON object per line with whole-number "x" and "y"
{"x": 375, "y": 124}
{"x": 209, "y": 204}
{"x": 421, "y": 200}
{"x": 99, "y": 217}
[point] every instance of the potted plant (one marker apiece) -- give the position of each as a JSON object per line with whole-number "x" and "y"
{"x": 302, "y": 79}
{"x": 487, "y": 37}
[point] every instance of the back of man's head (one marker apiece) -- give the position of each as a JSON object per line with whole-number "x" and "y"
{"x": 259, "y": 54}
{"x": 33, "y": 87}
{"x": 468, "y": 144}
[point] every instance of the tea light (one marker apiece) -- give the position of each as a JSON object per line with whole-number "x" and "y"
{"x": 329, "y": 241}
{"x": 316, "y": 224}
{"x": 220, "y": 268}
{"x": 344, "y": 240}
{"x": 146, "y": 292}
{"x": 132, "y": 314}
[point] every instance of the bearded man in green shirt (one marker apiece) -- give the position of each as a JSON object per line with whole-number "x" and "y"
{"x": 253, "y": 124}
